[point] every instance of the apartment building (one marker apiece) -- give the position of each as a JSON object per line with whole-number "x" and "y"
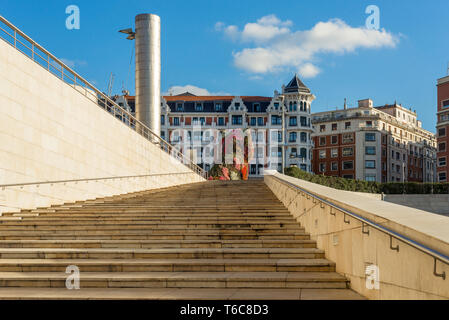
{"x": 385, "y": 143}
{"x": 280, "y": 125}
{"x": 443, "y": 129}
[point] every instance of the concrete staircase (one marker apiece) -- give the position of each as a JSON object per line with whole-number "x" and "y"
{"x": 211, "y": 240}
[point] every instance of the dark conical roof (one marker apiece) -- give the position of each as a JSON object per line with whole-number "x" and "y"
{"x": 296, "y": 85}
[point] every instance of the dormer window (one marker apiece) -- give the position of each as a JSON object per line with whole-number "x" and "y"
{"x": 179, "y": 107}
{"x": 198, "y": 107}
{"x": 276, "y": 105}
{"x": 256, "y": 107}
{"x": 218, "y": 107}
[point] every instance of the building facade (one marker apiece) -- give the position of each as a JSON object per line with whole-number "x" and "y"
{"x": 280, "y": 125}
{"x": 382, "y": 144}
{"x": 443, "y": 129}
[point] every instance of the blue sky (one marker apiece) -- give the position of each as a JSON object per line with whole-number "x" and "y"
{"x": 400, "y": 63}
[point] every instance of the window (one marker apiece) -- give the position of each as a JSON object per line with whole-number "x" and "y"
{"x": 162, "y": 119}
{"x": 334, "y": 152}
{"x": 370, "y": 136}
{"x": 304, "y": 122}
{"x": 334, "y": 139}
{"x": 322, "y": 128}
{"x": 369, "y": 124}
{"x": 276, "y": 120}
{"x": 253, "y": 169}
{"x": 294, "y": 153}
{"x": 348, "y": 125}
{"x": 276, "y": 105}
{"x": 256, "y": 107}
{"x": 218, "y": 107}
{"x": 370, "y": 177}
{"x": 260, "y": 121}
{"x": 370, "y": 150}
{"x": 334, "y": 166}
{"x": 442, "y": 161}
{"x": 442, "y": 146}
{"x": 322, "y": 154}
{"x": 198, "y": 107}
{"x": 442, "y": 132}
{"x": 370, "y": 164}
{"x": 236, "y": 120}
{"x": 293, "y": 121}
{"x": 334, "y": 126}
{"x": 176, "y": 121}
{"x": 179, "y": 107}
{"x": 441, "y": 176}
{"x": 292, "y": 137}
{"x": 445, "y": 103}
{"x": 348, "y": 165}
{"x": 303, "y": 137}
{"x": 348, "y": 138}
{"x": 322, "y": 141}
{"x": 303, "y": 153}
{"x": 221, "y": 121}
{"x": 347, "y": 152}
{"x": 202, "y": 121}
{"x": 322, "y": 166}
{"x": 253, "y": 121}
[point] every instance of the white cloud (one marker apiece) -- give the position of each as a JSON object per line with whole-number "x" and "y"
{"x": 308, "y": 70}
{"x": 278, "y": 48}
{"x": 175, "y": 90}
{"x": 73, "y": 63}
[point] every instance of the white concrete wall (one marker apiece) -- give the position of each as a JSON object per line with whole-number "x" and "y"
{"x": 49, "y": 131}
{"x": 407, "y": 274}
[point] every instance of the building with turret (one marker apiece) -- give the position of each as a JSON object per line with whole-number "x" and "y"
{"x": 280, "y": 125}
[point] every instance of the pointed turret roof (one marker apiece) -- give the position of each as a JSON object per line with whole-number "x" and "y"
{"x": 296, "y": 85}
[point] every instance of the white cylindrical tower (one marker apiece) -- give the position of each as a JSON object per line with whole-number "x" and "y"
{"x": 148, "y": 71}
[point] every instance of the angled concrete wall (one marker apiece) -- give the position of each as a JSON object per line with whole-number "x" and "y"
{"x": 49, "y": 131}
{"x": 403, "y": 274}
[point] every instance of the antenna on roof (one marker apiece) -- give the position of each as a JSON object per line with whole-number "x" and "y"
{"x": 110, "y": 84}
{"x": 447, "y": 71}
{"x": 344, "y": 106}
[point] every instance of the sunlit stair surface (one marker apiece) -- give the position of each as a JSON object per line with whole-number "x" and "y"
{"x": 210, "y": 240}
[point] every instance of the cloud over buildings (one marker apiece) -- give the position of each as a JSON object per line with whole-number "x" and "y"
{"x": 270, "y": 45}
{"x": 175, "y": 90}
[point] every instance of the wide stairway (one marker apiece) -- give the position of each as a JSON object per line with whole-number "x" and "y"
{"x": 211, "y": 240}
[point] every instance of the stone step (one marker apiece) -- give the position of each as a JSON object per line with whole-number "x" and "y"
{"x": 177, "y": 294}
{"x": 157, "y": 243}
{"x": 107, "y": 225}
{"x": 166, "y": 236}
{"x": 167, "y": 265}
{"x": 168, "y": 253}
{"x": 149, "y": 220}
{"x": 267, "y": 280}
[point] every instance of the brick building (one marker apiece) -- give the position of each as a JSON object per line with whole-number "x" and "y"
{"x": 443, "y": 129}
{"x": 381, "y": 144}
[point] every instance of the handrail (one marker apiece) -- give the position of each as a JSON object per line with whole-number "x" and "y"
{"x": 52, "y": 64}
{"x": 435, "y": 254}
{"x": 3, "y": 186}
